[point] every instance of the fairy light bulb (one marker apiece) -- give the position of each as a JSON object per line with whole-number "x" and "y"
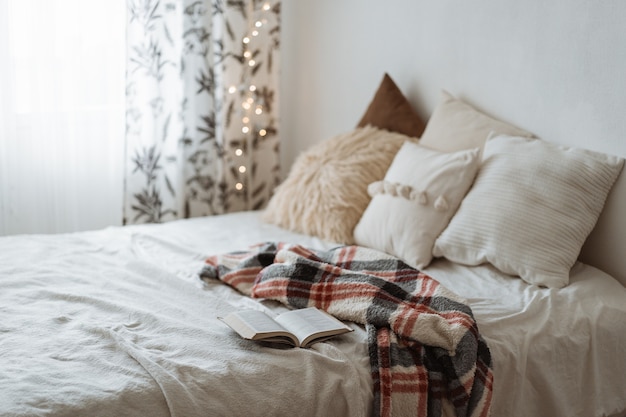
{"x": 252, "y": 102}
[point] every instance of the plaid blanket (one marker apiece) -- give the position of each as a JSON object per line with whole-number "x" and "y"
{"x": 427, "y": 357}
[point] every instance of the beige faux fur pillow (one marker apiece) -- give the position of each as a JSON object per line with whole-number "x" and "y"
{"x": 325, "y": 193}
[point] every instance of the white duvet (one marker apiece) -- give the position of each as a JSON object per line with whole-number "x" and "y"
{"x": 113, "y": 323}
{"x": 116, "y": 323}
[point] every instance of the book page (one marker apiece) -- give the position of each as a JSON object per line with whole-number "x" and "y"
{"x": 249, "y": 323}
{"x": 311, "y": 321}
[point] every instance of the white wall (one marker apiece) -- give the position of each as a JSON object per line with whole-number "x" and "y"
{"x": 556, "y": 68}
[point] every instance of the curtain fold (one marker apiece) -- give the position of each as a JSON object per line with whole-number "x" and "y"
{"x": 201, "y": 107}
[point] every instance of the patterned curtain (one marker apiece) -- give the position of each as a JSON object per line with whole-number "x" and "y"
{"x": 201, "y": 96}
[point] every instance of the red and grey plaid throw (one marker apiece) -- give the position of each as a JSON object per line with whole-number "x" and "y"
{"x": 427, "y": 357}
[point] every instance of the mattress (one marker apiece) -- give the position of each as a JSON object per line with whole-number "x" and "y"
{"x": 116, "y": 323}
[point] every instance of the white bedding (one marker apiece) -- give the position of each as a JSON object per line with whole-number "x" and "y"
{"x": 112, "y": 323}
{"x": 557, "y": 352}
{"x": 115, "y": 322}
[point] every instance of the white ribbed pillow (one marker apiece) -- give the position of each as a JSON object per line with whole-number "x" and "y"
{"x": 530, "y": 209}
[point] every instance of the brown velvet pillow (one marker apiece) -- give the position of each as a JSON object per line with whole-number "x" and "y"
{"x": 390, "y": 110}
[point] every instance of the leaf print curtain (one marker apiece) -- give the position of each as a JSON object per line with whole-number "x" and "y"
{"x": 201, "y": 118}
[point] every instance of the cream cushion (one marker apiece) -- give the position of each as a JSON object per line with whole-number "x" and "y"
{"x": 530, "y": 209}
{"x": 421, "y": 191}
{"x": 325, "y": 193}
{"x": 456, "y": 125}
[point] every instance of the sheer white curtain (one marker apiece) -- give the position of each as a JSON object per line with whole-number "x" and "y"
{"x": 62, "y": 66}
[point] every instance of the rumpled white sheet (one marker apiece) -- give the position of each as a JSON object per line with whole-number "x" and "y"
{"x": 116, "y": 323}
{"x": 557, "y": 352}
{"x": 113, "y": 323}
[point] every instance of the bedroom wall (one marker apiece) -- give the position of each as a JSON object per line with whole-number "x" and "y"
{"x": 555, "y": 68}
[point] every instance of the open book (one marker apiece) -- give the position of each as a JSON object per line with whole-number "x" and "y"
{"x": 298, "y": 327}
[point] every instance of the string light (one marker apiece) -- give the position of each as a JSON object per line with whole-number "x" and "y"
{"x": 251, "y": 102}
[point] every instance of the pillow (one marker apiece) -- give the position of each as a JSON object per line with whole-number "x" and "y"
{"x": 390, "y": 110}
{"x": 410, "y": 208}
{"x": 530, "y": 209}
{"x": 325, "y": 193}
{"x": 455, "y": 125}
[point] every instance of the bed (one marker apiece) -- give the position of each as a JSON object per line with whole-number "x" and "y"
{"x": 115, "y": 322}
{"x": 118, "y": 322}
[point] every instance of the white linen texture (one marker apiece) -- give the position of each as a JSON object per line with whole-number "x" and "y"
{"x": 409, "y": 209}
{"x": 115, "y": 323}
{"x": 531, "y": 207}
